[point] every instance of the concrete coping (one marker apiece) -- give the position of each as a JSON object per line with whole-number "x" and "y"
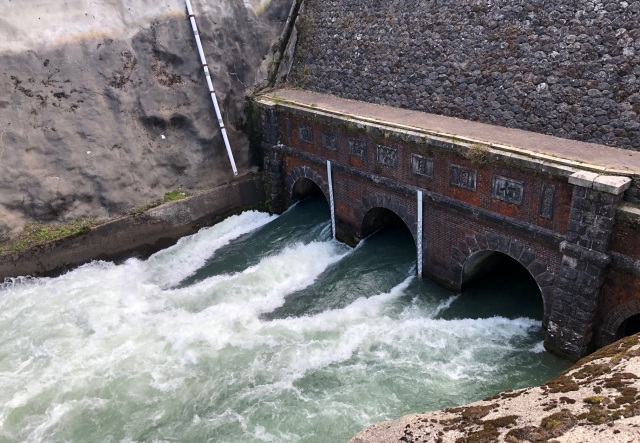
{"x": 522, "y": 157}
{"x": 571, "y": 154}
{"x": 611, "y": 184}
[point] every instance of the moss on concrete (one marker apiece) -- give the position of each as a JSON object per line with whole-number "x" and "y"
{"x": 35, "y": 234}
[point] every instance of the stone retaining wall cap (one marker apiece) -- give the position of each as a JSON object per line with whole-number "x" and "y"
{"x": 611, "y": 184}
{"x": 583, "y": 178}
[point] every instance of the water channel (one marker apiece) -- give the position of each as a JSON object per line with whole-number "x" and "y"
{"x": 258, "y": 329}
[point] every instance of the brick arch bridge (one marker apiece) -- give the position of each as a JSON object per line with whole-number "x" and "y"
{"x": 459, "y": 195}
{"x": 298, "y": 176}
{"x": 513, "y": 248}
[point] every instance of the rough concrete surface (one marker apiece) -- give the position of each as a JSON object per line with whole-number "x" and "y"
{"x": 594, "y": 401}
{"x": 104, "y": 105}
{"x": 140, "y": 234}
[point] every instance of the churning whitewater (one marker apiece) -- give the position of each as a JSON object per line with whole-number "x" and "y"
{"x": 258, "y": 329}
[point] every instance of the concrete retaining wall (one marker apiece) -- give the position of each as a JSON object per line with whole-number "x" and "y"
{"x": 139, "y": 235}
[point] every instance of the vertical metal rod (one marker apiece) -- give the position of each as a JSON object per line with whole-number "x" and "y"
{"x": 331, "y": 204}
{"x": 419, "y": 234}
{"x": 212, "y": 91}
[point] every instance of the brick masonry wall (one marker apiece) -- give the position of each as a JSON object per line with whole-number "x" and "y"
{"x": 569, "y": 68}
{"x": 622, "y": 281}
{"x": 377, "y": 154}
{"x": 626, "y": 237}
{"x": 358, "y": 148}
{"x": 448, "y": 235}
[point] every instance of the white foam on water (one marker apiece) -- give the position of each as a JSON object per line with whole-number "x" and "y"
{"x": 202, "y": 361}
{"x": 235, "y": 302}
{"x": 538, "y": 348}
{"x": 335, "y": 336}
{"x": 172, "y": 265}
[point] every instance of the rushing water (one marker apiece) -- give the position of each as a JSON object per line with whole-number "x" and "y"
{"x": 260, "y": 328}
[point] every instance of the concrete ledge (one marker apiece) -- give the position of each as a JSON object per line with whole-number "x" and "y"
{"x": 625, "y": 263}
{"x": 615, "y": 185}
{"x": 139, "y": 235}
{"x": 583, "y": 178}
{"x": 611, "y": 184}
{"x": 457, "y": 132}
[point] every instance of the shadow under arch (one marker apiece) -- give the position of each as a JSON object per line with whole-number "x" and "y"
{"x": 305, "y": 188}
{"x": 629, "y": 326}
{"x": 303, "y": 182}
{"x": 377, "y": 218}
{"x": 487, "y": 271}
{"x": 376, "y": 211}
{"x": 620, "y": 322}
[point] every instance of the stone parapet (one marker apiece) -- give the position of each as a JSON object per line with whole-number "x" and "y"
{"x": 615, "y": 185}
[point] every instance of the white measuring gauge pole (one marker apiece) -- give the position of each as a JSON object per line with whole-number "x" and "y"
{"x": 212, "y": 91}
{"x": 331, "y": 204}
{"x": 419, "y": 234}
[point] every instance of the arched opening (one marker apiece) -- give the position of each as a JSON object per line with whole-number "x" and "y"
{"x": 629, "y": 327}
{"x": 377, "y": 218}
{"x": 305, "y": 188}
{"x": 389, "y": 240}
{"x": 495, "y": 284}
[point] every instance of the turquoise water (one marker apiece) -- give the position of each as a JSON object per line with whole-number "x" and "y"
{"x": 258, "y": 329}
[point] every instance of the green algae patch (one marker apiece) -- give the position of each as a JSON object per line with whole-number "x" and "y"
{"x": 591, "y": 371}
{"x": 35, "y": 234}
{"x": 175, "y": 195}
{"x": 170, "y": 196}
{"x": 597, "y": 415}
{"x": 613, "y": 351}
{"x": 550, "y": 427}
{"x": 472, "y": 413}
{"x": 510, "y": 393}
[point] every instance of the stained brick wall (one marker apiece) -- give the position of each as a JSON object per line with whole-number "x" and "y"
{"x": 539, "y": 200}
{"x": 620, "y": 296}
{"x": 360, "y": 149}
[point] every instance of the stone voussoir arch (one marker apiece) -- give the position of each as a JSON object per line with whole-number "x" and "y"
{"x": 511, "y": 247}
{"x": 302, "y": 172}
{"x": 608, "y": 331}
{"x": 393, "y": 204}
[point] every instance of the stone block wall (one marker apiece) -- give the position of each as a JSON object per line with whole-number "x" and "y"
{"x": 569, "y": 68}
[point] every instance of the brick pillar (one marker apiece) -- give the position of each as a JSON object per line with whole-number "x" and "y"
{"x": 273, "y": 160}
{"x": 585, "y": 257}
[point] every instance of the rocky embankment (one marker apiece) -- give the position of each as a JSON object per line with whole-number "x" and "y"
{"x": 597, "y": 400}
{"x": 105, "y": 107}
